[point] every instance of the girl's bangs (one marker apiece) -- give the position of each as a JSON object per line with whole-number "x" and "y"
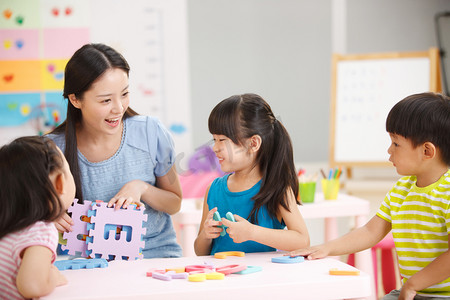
{"x": 223, "y": 120}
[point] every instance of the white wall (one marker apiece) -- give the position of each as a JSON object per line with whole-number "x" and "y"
{"x": 281, "y": 49}
{"x": 278, "y": 49}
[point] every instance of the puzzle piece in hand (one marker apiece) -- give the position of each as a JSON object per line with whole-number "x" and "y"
{"x": 81, "y": 263}
{"x": 217, "y": 217}
{"x": 75, "y": 241}
{"x": 104, "y": 240}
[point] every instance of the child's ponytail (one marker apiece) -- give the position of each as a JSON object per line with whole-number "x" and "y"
{"x": 279, "y": 175}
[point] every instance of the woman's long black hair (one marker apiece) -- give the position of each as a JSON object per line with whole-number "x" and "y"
{"x": 86, "y": 65}
{"x": 240, "y": 117}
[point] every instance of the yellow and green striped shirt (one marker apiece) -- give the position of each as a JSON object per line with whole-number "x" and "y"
{"x": 420, "y": 219}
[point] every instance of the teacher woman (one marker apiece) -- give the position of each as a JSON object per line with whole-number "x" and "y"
{"x": 116, "y": 155}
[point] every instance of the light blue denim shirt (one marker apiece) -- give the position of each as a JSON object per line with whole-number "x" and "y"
{"x": 146, "y": 152}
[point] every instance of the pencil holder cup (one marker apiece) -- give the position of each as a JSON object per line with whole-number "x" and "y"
{"x": 330, "y": 188}
{"x": 306, "y": 191}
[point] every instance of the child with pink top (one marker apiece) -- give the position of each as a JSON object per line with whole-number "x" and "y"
{"x": 36, "y": 189}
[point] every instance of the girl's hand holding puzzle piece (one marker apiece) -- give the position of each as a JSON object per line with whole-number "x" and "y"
{"x": 241, "y": 230}
{"x": 212, "y": 228}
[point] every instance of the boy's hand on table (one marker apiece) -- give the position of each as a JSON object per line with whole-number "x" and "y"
{"x": 311, "y": 253}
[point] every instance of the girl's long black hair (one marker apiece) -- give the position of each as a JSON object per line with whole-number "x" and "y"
{"x": 86, "y": 65}
{"x": 27, "y": 194}
{"x": 240, "y": 117}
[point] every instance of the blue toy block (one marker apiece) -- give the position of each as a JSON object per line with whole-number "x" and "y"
{"x": 288, "y": 259}
{"x": 81, "y": 263}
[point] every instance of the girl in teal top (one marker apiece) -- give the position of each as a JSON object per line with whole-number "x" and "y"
{"x": 261, "y": 191}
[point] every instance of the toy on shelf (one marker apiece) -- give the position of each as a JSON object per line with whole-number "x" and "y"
{"x": 103, "y": 232}
{"x": 81, "y": 263}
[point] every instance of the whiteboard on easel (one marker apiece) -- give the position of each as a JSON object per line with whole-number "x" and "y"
{"x": 365, "y": 88}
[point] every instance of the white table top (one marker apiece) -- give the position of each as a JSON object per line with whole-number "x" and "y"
{"x": 127, "y": 280}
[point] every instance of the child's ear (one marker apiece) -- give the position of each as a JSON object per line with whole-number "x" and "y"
{"x": 75, "y": 102}
{"x": 59, "y": 183}
{"x": 429, "y": 150}
{"x": 255, "y": 143}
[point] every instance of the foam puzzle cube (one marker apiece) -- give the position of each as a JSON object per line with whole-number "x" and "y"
{"x": 108, "y": 233}
{"x": 76, "y": 241}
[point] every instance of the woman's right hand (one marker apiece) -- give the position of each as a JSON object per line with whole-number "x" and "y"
{"x": 64, "y": 224}
{"x": 211, "y": 228}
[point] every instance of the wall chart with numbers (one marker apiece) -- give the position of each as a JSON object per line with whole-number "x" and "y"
{"x": 38, "y": 37}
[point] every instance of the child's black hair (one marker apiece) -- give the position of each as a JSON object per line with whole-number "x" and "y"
{"x": 240, "y": 117}
{"x": 27, "y": 194}
{"x": 423, "y": 118}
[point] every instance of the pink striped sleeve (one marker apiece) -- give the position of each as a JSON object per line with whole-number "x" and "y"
{"x": 39, "y": 234}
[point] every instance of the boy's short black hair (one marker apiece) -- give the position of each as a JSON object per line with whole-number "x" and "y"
{"x": 423, "y": 118}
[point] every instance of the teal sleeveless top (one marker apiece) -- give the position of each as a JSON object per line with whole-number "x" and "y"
{"x": 239, "y": 203}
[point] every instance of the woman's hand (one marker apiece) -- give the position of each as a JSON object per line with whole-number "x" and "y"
{"x": 241, "y": 230}
{"x": 64, "y": 224}
{"x": 130, "y": 193}
{"x": 210, "y": 227}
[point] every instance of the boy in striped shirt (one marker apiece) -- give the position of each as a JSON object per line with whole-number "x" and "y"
{"x": 417, "y": 208}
